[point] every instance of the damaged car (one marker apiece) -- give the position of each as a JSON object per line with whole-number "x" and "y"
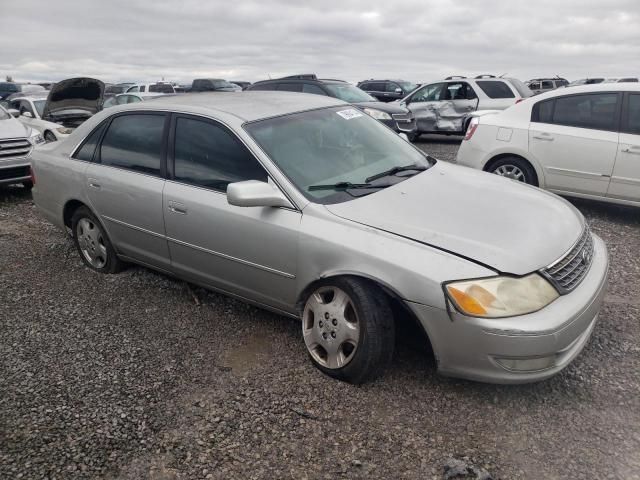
{"x": 445, "y": 107}
{"x": 312, "y": 209}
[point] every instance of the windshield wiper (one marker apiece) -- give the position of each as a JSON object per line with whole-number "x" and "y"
{"x": 343, "y": 186}
{"x": 394, "y": 170}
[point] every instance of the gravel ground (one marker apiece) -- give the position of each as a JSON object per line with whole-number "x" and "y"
{"x": 138, "y": 375}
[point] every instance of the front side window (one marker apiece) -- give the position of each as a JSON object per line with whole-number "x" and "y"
{"x": 134, "y": 89}
{"x": 596, "y": 111}
{"x": 376, "y": 87}
{"x": 134, "y": 142}
{"x": 210, "y": 156}
{"x": 428, "y": 93}
{"x": 39, "y": 104}
{"x": 633, "y": 114}
{"x": 310, "y": 88}
{"x": 290, "y": 87}
{"x": 547, "y": 85}
{"x": 495, "y": 89}
{"x": 323, "y": 151}
{"x": 459, "y": 91}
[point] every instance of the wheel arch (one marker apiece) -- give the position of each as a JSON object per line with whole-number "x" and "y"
{"x": 538, "y": 172}
{"x": 69, "y": 208}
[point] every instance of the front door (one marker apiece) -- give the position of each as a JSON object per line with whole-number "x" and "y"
{"x": 125, "y": 186}
{"x": 575, "y": 139}
{"x": 625, "y": 180}
{"x": 248, "y": 251}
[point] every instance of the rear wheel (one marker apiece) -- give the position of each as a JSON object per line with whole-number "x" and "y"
{"x": 49, "y": 137}
{"x": 92, "y": 242}
{"x": 515, "y": 168}
{"x": 348, "y": 329}
{"x": 413, "y": 136}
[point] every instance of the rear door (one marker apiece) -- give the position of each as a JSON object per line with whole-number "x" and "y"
{"x": 125, "y": 185}
{"x": 625, "y": 180}
{"x": 247, "y": 251}
{"x": 575, "y": 139}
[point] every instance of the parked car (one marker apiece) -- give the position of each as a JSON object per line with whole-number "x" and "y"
{"x": 392, "y": 115}
{"x": 444, "y": 107}
{"x": 213, "y": 85}
{"x": 118, "y": 88}
{"x": 126, "y": 98}
{"x": 158, "y": 87}
{"x": 541, "y": 85}
{"x": 306, "y": 206}
{"x": 622, "y": 80}
{"x": 586, "y": 81}
{"x": 242, "y": 84}
{"x": 387, "y": 90}
{"x": 582, "y": 142}
{"x": 30, "y": 109}
{"x": 16, "y": 143}
{"x": 9, "y": 90}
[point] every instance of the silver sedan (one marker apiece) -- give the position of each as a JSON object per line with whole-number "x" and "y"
{"x": 304, "y": 205}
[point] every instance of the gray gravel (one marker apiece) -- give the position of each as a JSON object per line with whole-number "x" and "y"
{"x": 138, "y": 375}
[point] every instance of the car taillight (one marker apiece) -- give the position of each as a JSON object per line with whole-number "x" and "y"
{"x": 471, "y": 129}
{"x": 32, "y": 175}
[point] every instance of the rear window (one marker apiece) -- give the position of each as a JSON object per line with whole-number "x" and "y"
{"x": 495, "y": 89}
{"x": 161, "y": 88}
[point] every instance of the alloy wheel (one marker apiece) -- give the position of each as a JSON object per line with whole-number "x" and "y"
{"x": 511, "y": 171}
{"x": 91, "y": 242}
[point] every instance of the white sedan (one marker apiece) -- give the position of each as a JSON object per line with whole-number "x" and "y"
{"x": 581, "y": 142}
{"x": 30, "y": 110}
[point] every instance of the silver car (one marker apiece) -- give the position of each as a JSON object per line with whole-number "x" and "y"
{"x": 304, "y": 205}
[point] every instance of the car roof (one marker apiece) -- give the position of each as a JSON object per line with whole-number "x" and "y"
{"x": 593, "y": 88}
{"x": 247, "y": 105}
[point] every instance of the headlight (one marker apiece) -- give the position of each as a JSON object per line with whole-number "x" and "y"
{"x": 36, "y": 138}
{"x": 497, "y": 297}
{"x": 64, "y": 130}
{"x": 377, "y": 114}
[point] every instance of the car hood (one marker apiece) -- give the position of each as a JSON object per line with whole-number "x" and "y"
{"x": 13, "y": 128}
{"x": 390, "y": 108}
{"x": 507, "y": 226}
{"x": 80, "y": 95}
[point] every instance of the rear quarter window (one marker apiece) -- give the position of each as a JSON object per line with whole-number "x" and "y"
{"x": 495, "y": 89}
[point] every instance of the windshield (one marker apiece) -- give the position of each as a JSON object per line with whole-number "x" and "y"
{"x": 222, "y": 84}
{"x": 116, "y": 89}
{"x": 348, "y": 93}
{"x": 523, "y": 90}
{"x": 39, "y": 104}
{"x": 332, "y": 146}
{"x": 407, "y": 86}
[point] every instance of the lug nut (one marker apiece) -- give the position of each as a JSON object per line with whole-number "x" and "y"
{"x": 320, "y": 324}
{"x": 324, "y": 335}
{"x": 326, "y": 315}
{"x": 333, "y": 334}
{"x": 335, "y": 322}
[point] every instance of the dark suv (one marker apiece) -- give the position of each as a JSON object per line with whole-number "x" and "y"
{"x": 387, "y": 90}
{"x": 394, "y": 116}
{"x": 213, "y": 85}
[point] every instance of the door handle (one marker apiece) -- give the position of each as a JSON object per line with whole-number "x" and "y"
{"x": 544, "y": 136}
{"x": 178, "y": 208}
{"x": 633, "y": 150}
{"x": 93, "y": 183}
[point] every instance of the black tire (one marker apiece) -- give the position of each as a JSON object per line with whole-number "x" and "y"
{"x": 27, "y": 185}
{"x": 413, "y": 137}
{"x": 111, "y": 264}
{"x": 515, "y": 163}
{"x": 376, "y": 327}
{"x": 49, "y": 137}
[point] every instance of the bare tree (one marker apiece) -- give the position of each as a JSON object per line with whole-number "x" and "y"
{"x": 9, "y": 78}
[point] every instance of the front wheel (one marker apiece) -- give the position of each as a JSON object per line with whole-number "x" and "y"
{"x": 348, "y": 329}
{"x": 413, "y": 137}
{"x": 514, "y": 168}
{"x": 92, "y": 242}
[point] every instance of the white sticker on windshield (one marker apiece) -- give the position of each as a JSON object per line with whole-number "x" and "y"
{"x": 349, "y": 114}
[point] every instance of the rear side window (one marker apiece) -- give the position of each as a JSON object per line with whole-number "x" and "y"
{"x": 596, "y": 111}
{"x": 134, "y": 142}
{"x": 632, "y": 118}
{"x": 495, "y": 89}
{"x": 88, "y": 148}
{"x": 547, "y": 84}
{"x": 542, "y": 112}
{"x": 263, "y": 86}
{"x": 161, "y": 88}
{"x": 290, "y": 87}
{"x": 309, "y": 88}
{"x": 208, "y": 155}
{"x": 376, "y": 87}
{"x": 364, "y": 86}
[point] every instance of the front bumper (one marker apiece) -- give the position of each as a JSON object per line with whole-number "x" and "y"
{"x": 14, "y": 171}
{"x": 403, "y": 124}
{"x": 518, "y": 349}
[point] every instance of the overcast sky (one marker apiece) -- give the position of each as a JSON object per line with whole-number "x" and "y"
{"x": 420, "y": 40}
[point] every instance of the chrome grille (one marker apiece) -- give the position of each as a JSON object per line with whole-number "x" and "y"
{"x": 404, "y": 121}
{"x": 14, "y": 148}
{"x": 402, "y": 117}
{"x": 567, "y": 273}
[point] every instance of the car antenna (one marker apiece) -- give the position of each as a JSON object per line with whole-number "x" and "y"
{"x": 503, "y": 75}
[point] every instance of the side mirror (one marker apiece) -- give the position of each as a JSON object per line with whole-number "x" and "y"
{"x": 13, "y": 112}
{"x": 27, "y": 114}
{"x": 398, "y": 90}
{"x": 254, "y": 193}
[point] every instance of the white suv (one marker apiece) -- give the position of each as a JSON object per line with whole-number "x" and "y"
{"x": 445, "y": 107}
{"x": 580, "y": 141}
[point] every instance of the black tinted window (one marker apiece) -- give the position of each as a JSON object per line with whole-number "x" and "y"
{"x": 495, "y": 89}
{"x": 134, "y": 142}
{"x": 85, "y": 152}
{"x": 210, "y": 156}
{"x": 543, "y": 112}
{"x": 375, "y": 87}
{"x": 161, "y": 88}
{"x": 595, "y": 111}
{"x": 547, "y": 84}
{"x": 290, "y": 87}
{"x": 263, "y": 86}
{"x": 633, "y": 114}
{"x": 309, "y": 88}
